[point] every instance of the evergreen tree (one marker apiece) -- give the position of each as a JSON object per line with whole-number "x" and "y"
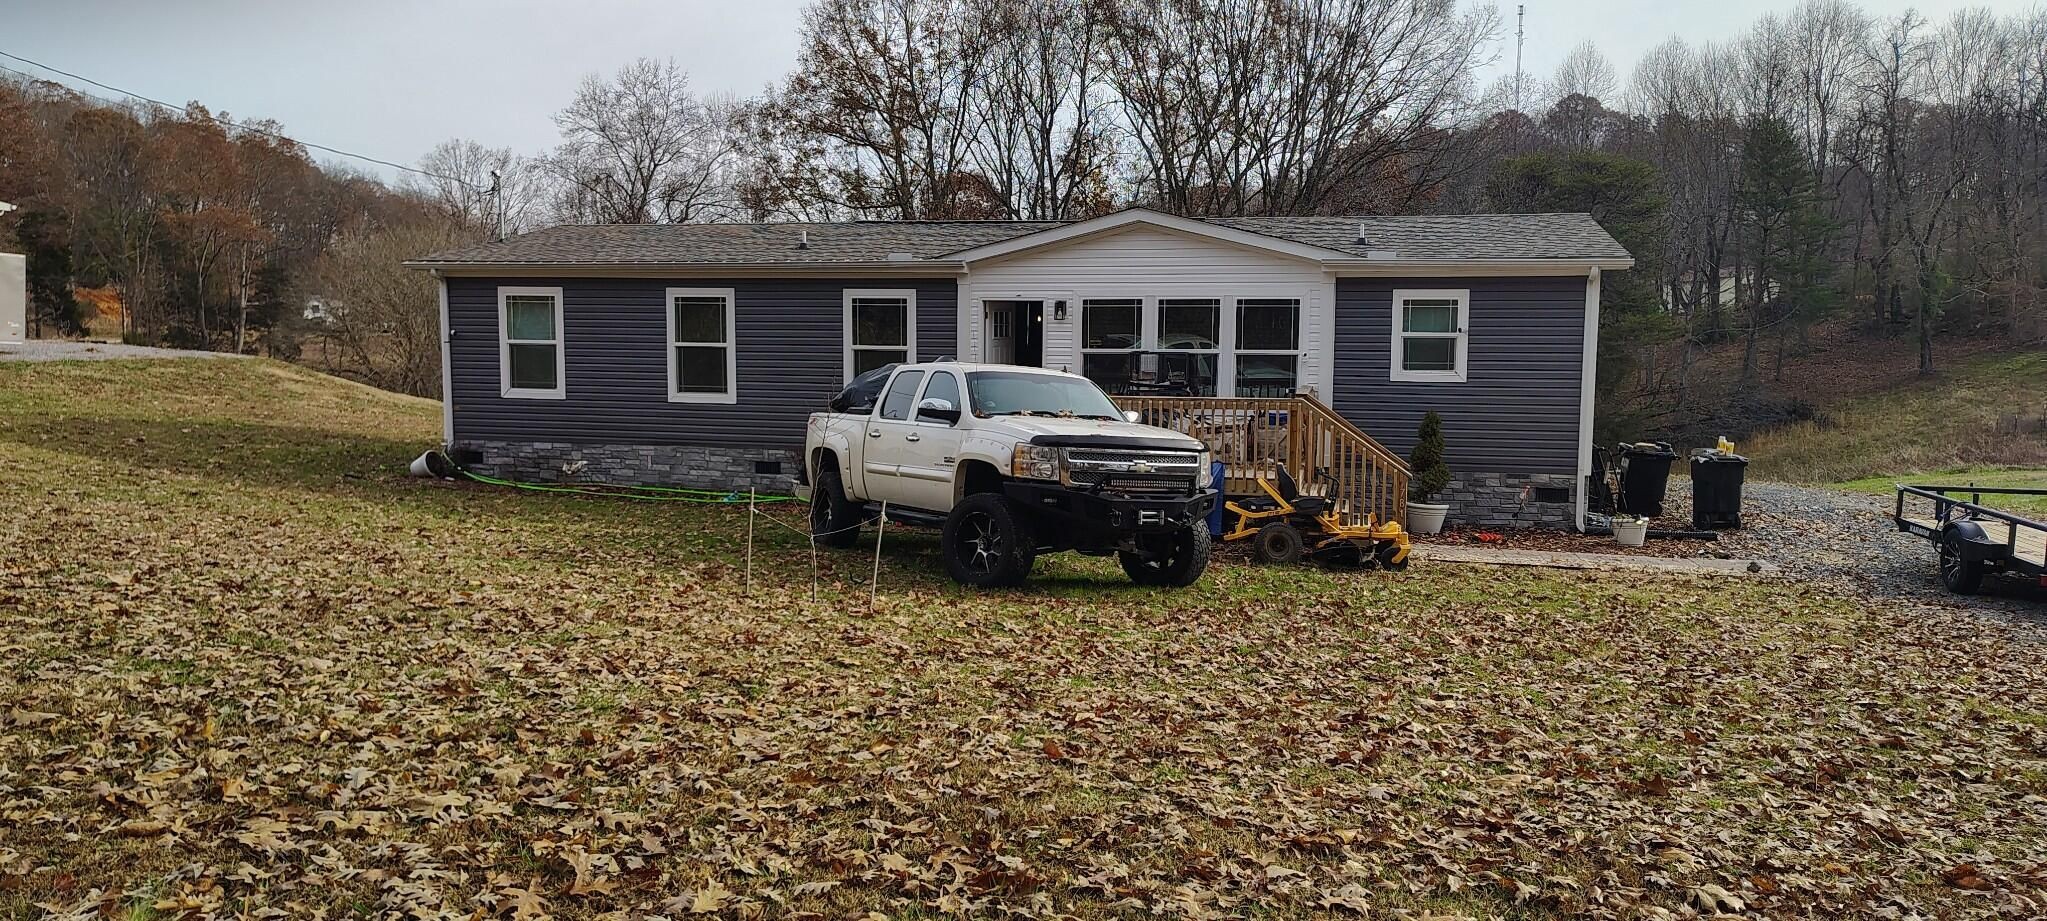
{"x": 1431, "y": 474}
{"x": 1786, "y": 234}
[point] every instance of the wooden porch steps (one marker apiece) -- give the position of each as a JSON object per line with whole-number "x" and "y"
{"x": 1326, "y": 453}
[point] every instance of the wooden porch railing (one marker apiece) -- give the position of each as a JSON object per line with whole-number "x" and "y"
{"x": 1327, "y": 455}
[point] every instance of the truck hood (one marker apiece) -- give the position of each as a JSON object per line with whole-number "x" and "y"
{"x": 1092, "y": 433}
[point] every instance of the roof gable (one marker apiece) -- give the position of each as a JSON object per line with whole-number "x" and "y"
{"x": 1119, "y": 221}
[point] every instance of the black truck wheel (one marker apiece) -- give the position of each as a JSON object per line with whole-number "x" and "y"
{"x": 986, "y": 544}
{"x": 1176, "y": 561}
{"x": 1961, "y": 575}
{"x": 1278, "y": 542}
{"x": 834, "y": 519}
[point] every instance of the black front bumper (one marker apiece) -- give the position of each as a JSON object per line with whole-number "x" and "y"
{"x": 1098, "y": 515}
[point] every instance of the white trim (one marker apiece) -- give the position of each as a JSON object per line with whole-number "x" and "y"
{"x": 1398, "y": 325}
{"x": 731, "y": 345}
{"x": 560, "y": 343}
{"x": 909, "y": 346}
{"x": 1587, "y": 379}
{"x": 1129, "y": 216}
{"x": 447, "y": 370}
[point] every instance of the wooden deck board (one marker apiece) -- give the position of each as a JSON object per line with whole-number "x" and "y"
{"x": 2031, "y": 544}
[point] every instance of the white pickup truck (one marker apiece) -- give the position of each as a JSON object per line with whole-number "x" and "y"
{"x": 1010, "y": 462}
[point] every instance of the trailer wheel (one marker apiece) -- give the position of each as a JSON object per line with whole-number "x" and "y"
{"x": 986, "y": 544}
{"x": 1961, "y": 575}
{"x": 834, "y": 519}
{"x": 1278, "y": 542}
{"x": 1177, "y": 564}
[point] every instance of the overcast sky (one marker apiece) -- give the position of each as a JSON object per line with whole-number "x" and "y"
{"x": 391, "y": 79}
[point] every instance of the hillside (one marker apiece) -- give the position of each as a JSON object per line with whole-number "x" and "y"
{"x": 1982, "y": 415}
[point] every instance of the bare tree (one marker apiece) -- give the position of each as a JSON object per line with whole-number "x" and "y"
{"x": 383, "y": 318}
{"x": 483, "y": 188}
{"x": 641, "y": 148}
{"x": 1044, "y": 118}
{"x": 1827, "y": 39}
{"x": 1583, "y": 72}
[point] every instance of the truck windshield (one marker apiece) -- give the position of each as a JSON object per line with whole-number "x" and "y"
{"x": 1022, "y": 393}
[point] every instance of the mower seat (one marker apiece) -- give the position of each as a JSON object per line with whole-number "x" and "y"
{"x": 1291, "y": 492}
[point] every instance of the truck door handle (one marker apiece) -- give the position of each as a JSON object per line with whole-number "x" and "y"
{"x": 874, "y": 433}
{"x": 913, "y": 436}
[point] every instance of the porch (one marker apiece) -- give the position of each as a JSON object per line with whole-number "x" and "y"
{"x": 1327, "y": 455}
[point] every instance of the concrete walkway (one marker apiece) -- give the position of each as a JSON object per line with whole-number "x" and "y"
{"x": 68, "y": 350}
{"x": 1557, "y": 559}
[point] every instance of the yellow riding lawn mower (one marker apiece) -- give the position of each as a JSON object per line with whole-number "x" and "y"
{"x": 1286, "y": 526}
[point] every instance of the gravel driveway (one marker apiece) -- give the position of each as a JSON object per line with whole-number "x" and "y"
{"x": 68, "y": 350}
{"x": 1848, "y": 539}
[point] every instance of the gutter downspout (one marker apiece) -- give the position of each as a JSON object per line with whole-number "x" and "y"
{"x": 1588, "y": 378}
{"x": 447, "y": 369}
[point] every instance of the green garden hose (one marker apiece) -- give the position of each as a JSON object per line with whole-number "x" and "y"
{"x": 643, "y": 493}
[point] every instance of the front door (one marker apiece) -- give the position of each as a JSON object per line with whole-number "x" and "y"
{"x": 1015, "y": 333}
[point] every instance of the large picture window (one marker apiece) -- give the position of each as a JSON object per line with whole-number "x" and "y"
{"x": 530, "y": 343}
{"x": 1268, "y": 346}
{"x": 701, "y": 352}
{"x": 1111, "y": 334}
{"x": 1190, "y": 343}
{"x": 1429, "y": 333}
{"x": 881, "y": 329}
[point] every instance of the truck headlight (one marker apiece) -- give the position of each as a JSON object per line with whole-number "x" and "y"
{"x": 1034, "y": 462}
{"x": 1205, "y": 476}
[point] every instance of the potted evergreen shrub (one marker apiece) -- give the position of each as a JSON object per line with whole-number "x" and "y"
{"x": 1430, "y": 476}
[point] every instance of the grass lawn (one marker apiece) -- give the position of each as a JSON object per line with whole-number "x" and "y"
{"x": 246, "y": 669}
{"x": 2031, "y": 506}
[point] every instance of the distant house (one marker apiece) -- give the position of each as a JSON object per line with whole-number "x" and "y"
{"x": 692, "y": 354}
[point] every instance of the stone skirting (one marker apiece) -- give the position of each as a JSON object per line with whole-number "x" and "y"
{"x": 1512, "y": 500}
{"x": 769, "y": 470}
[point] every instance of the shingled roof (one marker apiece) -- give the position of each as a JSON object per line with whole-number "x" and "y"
{"x": 1402, "y": 238}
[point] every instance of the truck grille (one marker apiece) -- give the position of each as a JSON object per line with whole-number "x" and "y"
{"x": 1132, "y": 471}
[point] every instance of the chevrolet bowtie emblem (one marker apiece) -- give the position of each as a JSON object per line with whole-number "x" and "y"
{"x": 1139, "y": 467}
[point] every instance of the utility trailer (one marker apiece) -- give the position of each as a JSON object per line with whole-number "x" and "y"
{"x": 1973, "y": 538}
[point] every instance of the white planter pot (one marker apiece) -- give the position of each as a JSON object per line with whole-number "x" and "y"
{"x": 1426, "y": 517}
{"x": 1630, "y": 533}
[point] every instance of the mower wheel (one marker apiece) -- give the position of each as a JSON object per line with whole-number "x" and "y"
{"x": 1386, "y": 553}
{"x": 1279, "y": 542}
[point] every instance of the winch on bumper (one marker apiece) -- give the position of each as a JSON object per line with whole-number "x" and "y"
{"x": 1118, "y": 512}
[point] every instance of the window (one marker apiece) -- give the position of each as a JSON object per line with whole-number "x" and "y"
{"x": 530, "y": 343}
{"x": 1190, "y": 337}
{"x": 701, "y": 366}
{"x": 881, "y": 328}
{"x": 1429, "y": 335}
{"x": 1268, "y": 346}
{"x": 943, "y": 386}
{"x": 896, "y": 404}
{"x": 1111, "y": 333}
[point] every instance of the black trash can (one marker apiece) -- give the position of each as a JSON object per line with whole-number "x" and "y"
{"x": 1716, "y": 490}
{"x": 1645, "y": 471}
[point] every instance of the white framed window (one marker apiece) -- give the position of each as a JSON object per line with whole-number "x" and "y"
{"x": 1111, "y": 336}
{"x": 1429, "y": 333}
{"x": 702, "y": 358}
{"x": 1190, "y": 335}
{"x": 530, "y": 343}
{"x": 1268, "y": 346}
{"x": 881, "y": 327}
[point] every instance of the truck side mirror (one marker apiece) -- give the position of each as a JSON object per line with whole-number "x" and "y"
{"x": 937, "y": 410}
{"x": 1131, "y": 415}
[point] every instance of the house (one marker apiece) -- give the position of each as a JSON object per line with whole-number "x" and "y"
{"x": 13, "y": 294}
{"x": 692, "y": 354}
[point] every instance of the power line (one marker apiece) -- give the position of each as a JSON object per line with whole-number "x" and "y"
{"x": 244, "y": 126}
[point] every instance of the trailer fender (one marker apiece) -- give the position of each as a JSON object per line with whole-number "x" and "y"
{"x": 1971, "y": 543}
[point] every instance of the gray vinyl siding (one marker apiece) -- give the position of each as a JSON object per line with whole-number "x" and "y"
{"x": 1517, "y": 410}
{"x": 790, "y": 354}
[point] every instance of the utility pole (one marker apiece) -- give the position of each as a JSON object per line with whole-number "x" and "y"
{"x": 1520, "y": 17}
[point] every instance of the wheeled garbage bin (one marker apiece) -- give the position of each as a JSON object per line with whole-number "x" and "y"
{"x": 1645, "y": 471}
{"x": 1716, "y": 490}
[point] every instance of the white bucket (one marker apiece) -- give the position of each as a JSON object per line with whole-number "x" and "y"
{"x": 1631, "y": 533}
{"x": 431, "y": 464}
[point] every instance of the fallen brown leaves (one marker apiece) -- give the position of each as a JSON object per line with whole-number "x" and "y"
{"x": 276, "y": 692}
